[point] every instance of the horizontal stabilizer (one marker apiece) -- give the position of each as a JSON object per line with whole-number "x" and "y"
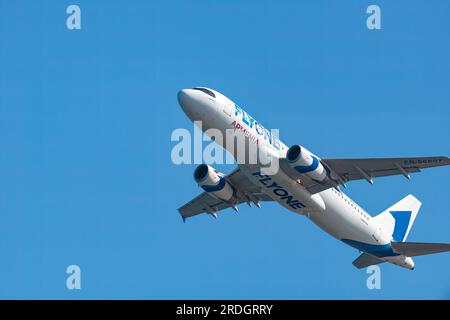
{"x": 366, "y": 260}
{"x": 412, "y": 249}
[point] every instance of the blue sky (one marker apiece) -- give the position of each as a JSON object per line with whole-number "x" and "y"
{"x": 86, "y": 117}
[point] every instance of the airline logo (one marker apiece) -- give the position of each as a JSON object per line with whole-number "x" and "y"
{"x": 249, "y": 121}
{"x": 278, "y": 190}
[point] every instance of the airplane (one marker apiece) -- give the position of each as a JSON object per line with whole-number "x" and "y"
{"x": 305, "y": 184}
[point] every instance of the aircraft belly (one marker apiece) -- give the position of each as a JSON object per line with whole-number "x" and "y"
{"x": 284, "y": 190}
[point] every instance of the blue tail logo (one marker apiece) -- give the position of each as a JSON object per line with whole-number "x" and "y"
{"x": 402, "y": 221}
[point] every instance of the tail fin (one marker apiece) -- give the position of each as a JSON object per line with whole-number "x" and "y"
{"x": 398, "y": 219}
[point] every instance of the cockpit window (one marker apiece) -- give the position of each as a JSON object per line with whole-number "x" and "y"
{"x": 208, "y": 92}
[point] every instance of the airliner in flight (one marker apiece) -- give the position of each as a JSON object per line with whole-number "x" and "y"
{"x": 305, "y": 184}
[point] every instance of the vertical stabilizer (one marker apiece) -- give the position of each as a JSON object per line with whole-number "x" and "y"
{"x": 398, "y": 219}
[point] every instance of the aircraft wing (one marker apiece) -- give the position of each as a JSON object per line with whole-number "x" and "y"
{"x": 356, "y": 169}
{"x": 247, "y": 191}
{"x": 344, "y": 170}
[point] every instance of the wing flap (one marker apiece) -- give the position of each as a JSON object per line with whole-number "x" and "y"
{"x": 199, "y": 205}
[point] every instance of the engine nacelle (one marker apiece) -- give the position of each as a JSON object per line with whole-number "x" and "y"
{"x": 212, "y": 181}
{"x": 305, "y": 162}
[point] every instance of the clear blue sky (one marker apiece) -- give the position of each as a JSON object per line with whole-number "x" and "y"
{"x": 85, "y": 123}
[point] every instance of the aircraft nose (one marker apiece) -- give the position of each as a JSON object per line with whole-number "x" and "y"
{"x": 183, "y": 96}
{"x": 191, "y": 102}
{"x": 185, "y": 99}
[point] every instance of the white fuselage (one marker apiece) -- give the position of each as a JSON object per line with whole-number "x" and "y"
{"x": 331, "y": 210}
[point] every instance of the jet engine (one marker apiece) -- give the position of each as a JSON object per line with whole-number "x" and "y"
{"x": 213, "y": 181}
{"x": 305, "y": 162}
